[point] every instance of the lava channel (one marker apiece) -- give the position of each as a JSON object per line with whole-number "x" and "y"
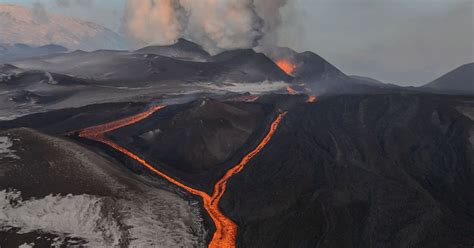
{"x": 226, "y": 230}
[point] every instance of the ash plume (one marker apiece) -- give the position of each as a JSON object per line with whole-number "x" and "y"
{"x": 216, "y": 25}
{"x": 71, "y": 3}
{"x": 39, "y": 13}
{"x": 154, "y": 21}
{"x": 269, "y": 11}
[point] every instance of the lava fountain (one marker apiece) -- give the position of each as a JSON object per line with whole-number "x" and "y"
{"x": 226, "y": 230}
{"x": 286, "y": 65}
{"x": 311, "y": 99}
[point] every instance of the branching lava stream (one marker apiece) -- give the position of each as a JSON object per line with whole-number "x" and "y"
{"x": 226, "y": 230}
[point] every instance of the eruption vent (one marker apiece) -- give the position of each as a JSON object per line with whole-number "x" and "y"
{"x": 286, "y": 65}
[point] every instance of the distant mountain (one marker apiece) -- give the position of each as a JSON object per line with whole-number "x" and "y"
{"x": 182, "y": 49}
{"x": 22, "y": 51}
{"x": 459, "y": 80}
{"x": 20, "y": 24}
{"x": 372, "y": 82}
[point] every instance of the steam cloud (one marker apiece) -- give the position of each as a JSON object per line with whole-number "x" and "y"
{"x": 215, "y": 24}
{"x": 70, "y": 3}
{"x": 39, "y": 13}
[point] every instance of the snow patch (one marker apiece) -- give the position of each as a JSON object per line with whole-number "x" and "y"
{"x": 80, "y": 216}
{"x": 253, "y": 88}
{"x": 25, "y": 245}
{"x": 50, "y": 78}
{"x": 5, "y": 148}
{"x": 162, "y": 222}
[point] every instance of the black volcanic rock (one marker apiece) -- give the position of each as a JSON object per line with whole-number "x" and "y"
{"x": 194, "y": 138}
{"x": 63, "y": 121}
{"x": 361, "y": 171}
{"x": 457, "y": 81}
{"x": 182, "y": 49}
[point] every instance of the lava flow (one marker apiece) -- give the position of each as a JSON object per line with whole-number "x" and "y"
{"x": 290, "y": 90}
{"x": 226, "y": 230}
{"x": 287, "y": 66}
{"x": 311, "y": 99}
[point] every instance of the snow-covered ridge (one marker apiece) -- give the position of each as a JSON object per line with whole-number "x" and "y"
{"x": 20, "y": 24}
{"x": 81, "y": 216}
{"x": 6, "y": 148}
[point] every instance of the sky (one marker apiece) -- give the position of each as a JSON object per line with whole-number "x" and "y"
{"x": 407, "y": 42}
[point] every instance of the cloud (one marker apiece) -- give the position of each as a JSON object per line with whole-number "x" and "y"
{"x": 216, "y": 25}
{"x": 72, "y": 3}
{"x": 39, "y": 13}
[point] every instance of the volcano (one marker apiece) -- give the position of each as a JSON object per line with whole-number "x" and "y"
{"x": 170, "y": 146}
{"x": 457, "y": 81}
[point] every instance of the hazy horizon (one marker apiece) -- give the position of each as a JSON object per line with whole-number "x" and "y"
{"x": 402, "y": 42}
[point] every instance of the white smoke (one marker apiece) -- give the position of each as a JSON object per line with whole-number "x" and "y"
{"x": 154, "y": 21}
{"x": 269, "y": 11}
{"x": 72, "y": 3}
{"x": 39, "y": 13}
{"x": 215, "y": 24}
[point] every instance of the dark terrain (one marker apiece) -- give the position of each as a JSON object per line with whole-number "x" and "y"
{"x": 362, "y": 171}
{"x": 368, "y": 164}
{"x": 391, "y": 170}
{"x": 457, "y": 81}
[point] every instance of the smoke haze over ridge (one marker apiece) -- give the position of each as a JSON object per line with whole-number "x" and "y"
{"x": 216, "y": 25}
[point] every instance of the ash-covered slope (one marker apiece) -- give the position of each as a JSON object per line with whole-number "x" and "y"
{"x": 194, "y": 138}
{"x": 20, "y": 24}
{"x": 129, "y": 69}
{"x": 362, "y": 171}
{"x": 182, "y": 49}
{"x": 54, "y": 192}
{"x": 457, "y": 81}
{"x": 248, "y": 65}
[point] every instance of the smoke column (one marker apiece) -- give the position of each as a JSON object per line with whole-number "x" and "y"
{"x": 215, "y": 24}
{"x": 154, "y": 21}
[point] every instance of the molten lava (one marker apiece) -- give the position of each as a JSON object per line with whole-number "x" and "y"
{"x": 226, "y": 230}
{"x": 290, "y": 90}
{"x": 311, "y": 99}
{"x": 287, "y": 66}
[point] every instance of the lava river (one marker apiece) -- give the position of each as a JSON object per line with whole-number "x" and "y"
{"x": 225, "y": 229}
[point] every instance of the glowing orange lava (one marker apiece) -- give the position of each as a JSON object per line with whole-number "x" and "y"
{"x": 311, "y": 99}
{"x": 290, "y": 90}
{"x": 287, "y": 66}
{"x": 226, "y": 230}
